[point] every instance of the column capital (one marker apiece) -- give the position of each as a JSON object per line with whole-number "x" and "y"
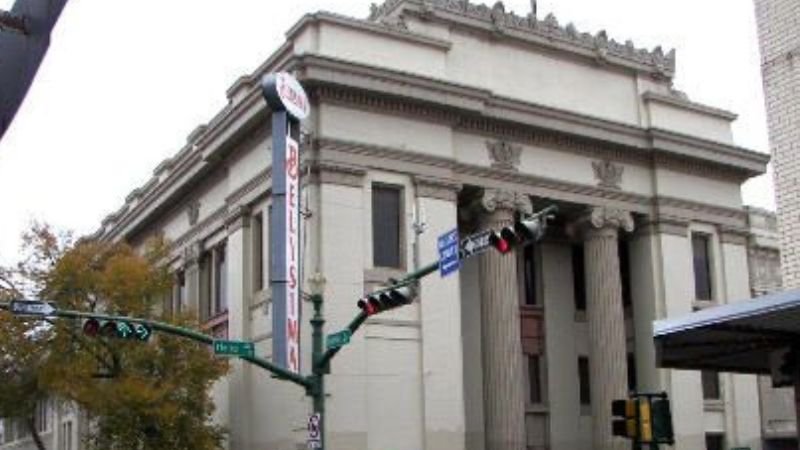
{"x": 602, "y": 218}
{"x": 493, "y": 200}
{"x": 238, "y": 217}
{"x": 192, "y": 252}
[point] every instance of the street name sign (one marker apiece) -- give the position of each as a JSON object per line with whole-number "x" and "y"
{"x": 31, "y": 308}
{"x": 475, "y": 244}
{"x": 338, "y": 339}
{"x": 233, "y": 348}
{"x": 449, "y": 259}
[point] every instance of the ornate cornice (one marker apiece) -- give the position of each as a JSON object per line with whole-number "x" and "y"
{"x": 548, "y": 32}
{"x": 336, "y": 173}
{"x": 262, "y": 179}
{"x": 437, "y": 188}
{"x": 213, "y": 221}
{"x": 237, "y": 218}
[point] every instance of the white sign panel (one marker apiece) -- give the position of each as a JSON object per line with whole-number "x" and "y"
{"x": 292, "y": 95}
{"x": 292, "y": 255}
{"x": 31, "y": 308}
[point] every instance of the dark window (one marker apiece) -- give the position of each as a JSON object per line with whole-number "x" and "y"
{"x": 258, "y": 252}
{"x": 702, "y": 266}
{"x": 386, "y": 226}
{"x": 711, "y": 389}
{"x": 631, "y": 372}
{"x": 583, "y": 379}
{"x": 578, "y": 277}
{"x": 715, "y": 441}
{"x": 624, "y": 272}
{"x": 220, "y": 281}
{"x": 180, "y": 291}
{"x": 205, "y": 285}
{"x": 535, "y": 378}
{"x": 529, "y": 275}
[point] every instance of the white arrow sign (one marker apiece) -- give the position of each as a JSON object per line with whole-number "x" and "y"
{"x": 477, "y": 243}
{"x": 31, "y": 308}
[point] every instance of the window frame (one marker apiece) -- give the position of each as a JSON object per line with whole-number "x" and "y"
{"x": 400, "y": 191}
{"x": 709, "y": 294}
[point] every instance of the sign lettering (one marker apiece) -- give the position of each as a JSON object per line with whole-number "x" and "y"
{"x": 292, "y": 254}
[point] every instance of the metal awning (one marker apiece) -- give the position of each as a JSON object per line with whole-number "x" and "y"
{"x": 737, "y": 337}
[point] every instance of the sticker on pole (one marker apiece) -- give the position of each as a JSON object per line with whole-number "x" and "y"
{"x": 314, "y": 431}
{"x": 449, "y": 260}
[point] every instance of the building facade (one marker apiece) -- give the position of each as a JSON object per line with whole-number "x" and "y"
{"x": 779, "y": 41}
{"x": 437, "y": 114}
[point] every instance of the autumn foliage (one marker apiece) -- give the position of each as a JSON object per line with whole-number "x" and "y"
{"x": 152, "y": 395}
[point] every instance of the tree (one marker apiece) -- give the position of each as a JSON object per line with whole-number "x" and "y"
{"x": 151, "y": 395}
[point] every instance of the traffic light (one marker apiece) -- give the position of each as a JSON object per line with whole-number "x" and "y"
{"x": 384, "y": 300}
{"x": 624, "y": 423}
{"x": 525, "y": 231}
{"x": 117, "y": 329}
{"x": 662, "y": 421}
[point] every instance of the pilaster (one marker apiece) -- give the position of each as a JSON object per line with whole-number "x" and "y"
{"x": 239, "y": 290}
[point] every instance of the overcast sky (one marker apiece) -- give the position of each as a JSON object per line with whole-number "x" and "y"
{"x": 124, "y": 82}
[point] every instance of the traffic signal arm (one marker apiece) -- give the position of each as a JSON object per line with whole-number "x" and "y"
{"x": 186, "y": 333}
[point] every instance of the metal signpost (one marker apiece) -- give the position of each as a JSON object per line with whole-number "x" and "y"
{"x": 449, "y": 258}
{"x": 289, "y": 105}
{"x": 233, "y": 348}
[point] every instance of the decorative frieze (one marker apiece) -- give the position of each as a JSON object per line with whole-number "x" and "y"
{"x": 336, "y": 173}
{"x": 504, "y": 155}
{"x": 437, "y": 188}
{"x": 193, "y": 212}
{"x": 237, "y": 217}
{"x": 548, "y": 29}
{"x": 608, "y": 174}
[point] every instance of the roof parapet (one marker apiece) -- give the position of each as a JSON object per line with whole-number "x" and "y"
{"x": 657, "y": 60}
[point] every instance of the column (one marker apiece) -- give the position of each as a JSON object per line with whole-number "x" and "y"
{"x": 607, "y": 345}
{"x": 503, "y": 381}
{"x": 239, "y": 291}
{"x": 440, "y": 320}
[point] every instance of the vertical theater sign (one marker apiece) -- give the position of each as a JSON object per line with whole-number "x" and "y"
{"x": 289, "y": 105}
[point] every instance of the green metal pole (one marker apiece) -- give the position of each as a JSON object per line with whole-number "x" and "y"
{"x": 183, "y": 332}
{"x": 318, "y": 373}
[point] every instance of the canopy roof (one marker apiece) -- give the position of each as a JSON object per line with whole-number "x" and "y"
{"x": 736, "y": 337}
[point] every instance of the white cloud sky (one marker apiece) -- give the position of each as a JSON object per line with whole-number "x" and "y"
{"x": 124, "y": 82}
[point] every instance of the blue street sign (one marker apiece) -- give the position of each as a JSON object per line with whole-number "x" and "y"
{"x": 449, "y": 260}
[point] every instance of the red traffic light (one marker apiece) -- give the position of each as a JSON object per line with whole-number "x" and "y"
{"x": 91, "y": 327}
{"x": 500, "y": 244}
{"x": 386, "y": 300}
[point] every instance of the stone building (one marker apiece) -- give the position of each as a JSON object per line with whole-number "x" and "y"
{"x": 779, "y": 39}
{"x": 453, "y": 114}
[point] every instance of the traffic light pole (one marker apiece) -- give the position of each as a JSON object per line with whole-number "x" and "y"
{"x": 182, "y": 332}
